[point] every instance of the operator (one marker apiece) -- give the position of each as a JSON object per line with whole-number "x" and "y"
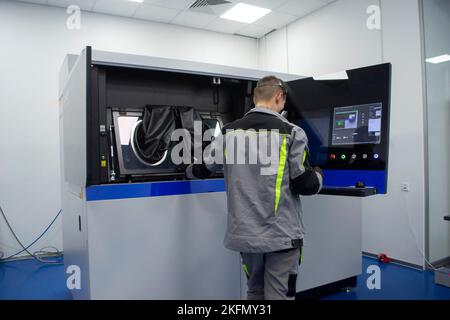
{"x": 264, "y": 210}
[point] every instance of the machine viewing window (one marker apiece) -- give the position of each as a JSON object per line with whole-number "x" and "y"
{"x": 359, "y": 124}
{"x": 130, "y": 149}
{"x": 129, "y": 156}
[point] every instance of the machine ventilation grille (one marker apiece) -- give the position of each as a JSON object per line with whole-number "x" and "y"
{"x": 207, "y": 3}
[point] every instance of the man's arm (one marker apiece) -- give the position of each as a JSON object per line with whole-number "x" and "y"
{"x": 212, "y": 161}
{"x": 305, "y": 180}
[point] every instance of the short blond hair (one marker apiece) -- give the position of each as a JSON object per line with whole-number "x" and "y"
{"x": 268, "y": 87}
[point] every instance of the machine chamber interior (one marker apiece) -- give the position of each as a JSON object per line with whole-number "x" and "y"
{"x": 120, "y": 135}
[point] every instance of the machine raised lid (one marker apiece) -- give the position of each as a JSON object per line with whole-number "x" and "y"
{"x": 183, "y": 66}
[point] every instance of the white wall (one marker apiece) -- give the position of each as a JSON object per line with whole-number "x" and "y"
{"x": 397, "y": 223}
{"x": 331, "y": 39}
{"x": 273, "y": 51}
{"x": 437, "y": 42}
{"x": 336, "y": 38}
{"x": 34, "y": 42}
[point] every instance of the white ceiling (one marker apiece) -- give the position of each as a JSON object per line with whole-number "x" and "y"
{"x": 178, "y": 12}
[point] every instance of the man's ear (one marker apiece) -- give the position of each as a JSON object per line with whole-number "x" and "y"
{"x": 279, "y": 96}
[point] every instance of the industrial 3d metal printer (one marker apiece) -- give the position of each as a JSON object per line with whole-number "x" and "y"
{"x": 135, "y": 228}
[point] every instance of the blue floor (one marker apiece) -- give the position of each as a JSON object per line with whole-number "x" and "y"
{"x": 397, "y": 283}
{"x": 27, "y": 279}
{"x": 31, "y": 280}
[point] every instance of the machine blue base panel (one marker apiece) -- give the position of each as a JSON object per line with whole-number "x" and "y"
{"x": 153, "y": 189}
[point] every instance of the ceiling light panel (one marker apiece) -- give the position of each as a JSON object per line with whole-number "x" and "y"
{"x": 245, "y": 13}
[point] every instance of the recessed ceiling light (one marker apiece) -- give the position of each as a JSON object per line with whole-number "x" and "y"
{"x": 245, "y": 13}
{"x": 439, "y": 59}
{"x": 138, "y": 1}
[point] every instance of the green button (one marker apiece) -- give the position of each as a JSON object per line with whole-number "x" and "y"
{"x": 343, "y": 157}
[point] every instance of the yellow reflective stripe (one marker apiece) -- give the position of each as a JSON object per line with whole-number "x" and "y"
{"x": 245, "y": 268}
{"x": 280, "y": 174}
{"x": 305, "y": 154}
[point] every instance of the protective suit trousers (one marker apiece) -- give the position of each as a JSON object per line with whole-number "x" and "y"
{"x": 272, "y": 276}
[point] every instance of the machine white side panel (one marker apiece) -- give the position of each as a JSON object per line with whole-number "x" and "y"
{"x": 64, "y": 72}
{"x": 73, "y": 120}
{"x": 75, "y": 237}
{"x": 146, "y": 62}
{"x": 162, "y": 248}
{"x": 333, "y": 241}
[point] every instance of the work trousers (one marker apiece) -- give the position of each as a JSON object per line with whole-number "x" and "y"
{"x": 273, "y": 275}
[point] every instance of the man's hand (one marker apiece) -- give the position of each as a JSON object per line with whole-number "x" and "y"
{"x": 318, "y": 170}
{"x": 189, "y": 172}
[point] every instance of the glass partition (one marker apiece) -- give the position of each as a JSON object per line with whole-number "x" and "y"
{"x": 436, "y": 19}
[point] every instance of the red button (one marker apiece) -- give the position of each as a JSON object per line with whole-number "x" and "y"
{"x": 333, "y": 157}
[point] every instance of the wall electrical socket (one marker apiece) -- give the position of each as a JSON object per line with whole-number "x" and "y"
{"x": 405, "y": 187}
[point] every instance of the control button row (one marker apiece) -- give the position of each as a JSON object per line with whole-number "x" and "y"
{"x": 344, "y": 156}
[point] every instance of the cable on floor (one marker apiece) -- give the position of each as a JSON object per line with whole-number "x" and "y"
{"x": 38, "y": 255}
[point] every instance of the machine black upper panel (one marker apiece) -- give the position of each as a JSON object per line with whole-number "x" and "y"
{"x": 346, "y": 121}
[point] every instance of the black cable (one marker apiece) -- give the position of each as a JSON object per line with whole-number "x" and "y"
{"x": 35, "y": 256}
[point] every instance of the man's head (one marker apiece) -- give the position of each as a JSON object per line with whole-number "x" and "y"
{"x": 270, "y": 92}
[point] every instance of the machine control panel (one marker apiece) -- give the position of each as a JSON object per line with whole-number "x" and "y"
{"x": 347, "y": 125}
{"x": 346, "y": 137}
